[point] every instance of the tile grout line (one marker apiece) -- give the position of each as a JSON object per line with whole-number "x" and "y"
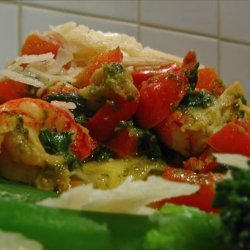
{"x": 17, "y": 4}
{"x": 138, "y": 20}
{"x": 193, "y": 33}
{"x": 19, "y": 24}
{"x": 234, "y": 41}
{"x": 139, "y": 23}
{"x": 41, "y": 7}
{"x": 219, "y": 37}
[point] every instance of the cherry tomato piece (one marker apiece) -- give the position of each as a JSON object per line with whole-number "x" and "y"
{"x": 189, "y": 60}
{"x": 35, "y": 45}
{"x": 205, "y": 163}
{"x": 203, "y": 198}
{"x": 209, "y": 80}
{"x": 124, "y": 143}
{"x": 10, "y": 90}
{"x": 158, "y": 95}
{"x": 111, "y": 56}
{"x": 104, "y": 121}
{"x": 232, "y": 138}
{"x": 185, "y": 175}
{"x": 141, "y": 75}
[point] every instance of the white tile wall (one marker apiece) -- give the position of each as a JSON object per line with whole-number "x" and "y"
{"x": 193, "y": 16}
{"x": 9, "y": 32}
{"x": 125, "y": 10}
{"x": 235, "y": 20}
{"x": 219, "y": 30}
{"x": 41, "y": 19}
{"x": 235, "y": 64}
{"x": 178, "y": 44}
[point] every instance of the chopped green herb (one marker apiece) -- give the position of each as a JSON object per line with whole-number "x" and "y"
{"x": 198, "y": 99}
{"x": 102, "y": 154}
{"x": 150, "y": 145}
{"x": 233, "y": 198}
{"x": 55, "y": 142}
{"x": 192, "y": 75}
{"x": 81, "y": 112}
{"x": 59, "y": 143}
{"x": 241, "y": 114}
{"x": 243, "y": 100}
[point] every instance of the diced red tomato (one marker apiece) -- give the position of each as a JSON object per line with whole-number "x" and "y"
{"x": 160, "y": 93}
{"x": 232, "y": 138}
{"x": 141, "y": 75}
{"x": 10, "y": 90}
{"x": 189, "y": 60}
{"x": 111, "y": 56}
{"x": 185, "y": 175}
{"x": 205, "y": 163}
{"x": 35, "y": 45}
{"x": 124, "y": 143}
{"x": 209, "y": 80}
{"x": 157, "y": 97}
{"x": 203, "y": 198}
{"x": 104, "y": 121}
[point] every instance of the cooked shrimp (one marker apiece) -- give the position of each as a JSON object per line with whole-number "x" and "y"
{"x": 21, "y": 121}
{"x": 187, "y": 130}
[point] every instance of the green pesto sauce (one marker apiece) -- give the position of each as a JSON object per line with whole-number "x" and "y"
{"x": 109, "y": 80}
{"x": 111, "y": 173}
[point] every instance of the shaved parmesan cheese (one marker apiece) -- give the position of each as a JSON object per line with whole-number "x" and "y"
{"x": 42, "y": 69}
{"x": 63, "y": 57}
{"x": 51, "y": 78}
{"x": 86, "y": 43}
{"x": 21, "y": 78}
{"x": 145, "y": 61}
{"x": 233, "y": 160}
{"x": 131, "y": 197}
{"x": 64, "y": 105}
{"x": 30, "y": 59}
{"x": 54, "y": 35}
{"x": 16, "y": 241}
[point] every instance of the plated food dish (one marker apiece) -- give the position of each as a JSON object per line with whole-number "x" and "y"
{"x": 85, "y": 112}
